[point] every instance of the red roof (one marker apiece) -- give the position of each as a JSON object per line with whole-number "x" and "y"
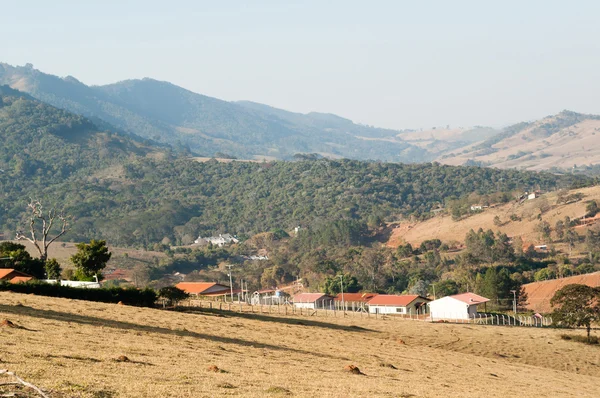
{"x": 10, "y": 273}
{"x": 201, "y": 287}
{"x": 21, "y": 279}
{"x": 355, "y": 297}
{"x": 393, "y": 300}
{"x": 470, "y": 298}
{"x": 308, "y": 297}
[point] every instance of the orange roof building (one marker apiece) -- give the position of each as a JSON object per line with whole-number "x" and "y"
{"x": 13, "y": 276}
{"x": 203, "y": 288}
{"x": 398, "y": 304}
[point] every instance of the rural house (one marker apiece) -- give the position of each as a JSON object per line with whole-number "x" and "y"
{"x": 394, "y": 304}
{"x": 13, "y": 276}
{"x": 459, "y": 306}
{"x": 353, "y": 301}
{"x": 221, "y": 240}
{"x": 313, "y": 300}
{"x": 203, "y": 288}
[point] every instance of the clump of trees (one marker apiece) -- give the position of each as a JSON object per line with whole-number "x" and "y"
{"x": 90, "y": 260}
{"x": 577, "y": 306}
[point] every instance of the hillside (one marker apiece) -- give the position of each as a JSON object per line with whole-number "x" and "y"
{"x": 133, "y": 193}
{"x": 445, "y": 228}
{"x": 560, "y": 141}
{"x": 540, "y": 293}
{"x": 171, "y": 354}
{"x": 167, "y": 113}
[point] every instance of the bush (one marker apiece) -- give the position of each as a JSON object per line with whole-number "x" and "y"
{"x": 129, "y": 296}
{"x": 581, "y": 339}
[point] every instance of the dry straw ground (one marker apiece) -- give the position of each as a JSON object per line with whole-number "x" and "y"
{"x": 81, "y": 349}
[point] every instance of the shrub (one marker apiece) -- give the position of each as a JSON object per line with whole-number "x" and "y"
{"x": 129, "y": 296}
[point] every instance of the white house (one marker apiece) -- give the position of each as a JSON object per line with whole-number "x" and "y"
{"x": 476, "y": 208}
{"x": 393, "y": 304}
{"x": 313, "y": 301}
{"x": 221, "y": 240}
{"x": 459, "y": 306}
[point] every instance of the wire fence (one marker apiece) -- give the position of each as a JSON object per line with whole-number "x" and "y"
{"x": 291, "y": 310}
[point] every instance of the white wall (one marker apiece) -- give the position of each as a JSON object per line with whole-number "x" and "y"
{"x": 386, "y": 309}
{"x": 449, "y": 308}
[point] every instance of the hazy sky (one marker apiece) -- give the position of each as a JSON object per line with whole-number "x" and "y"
{"x": 398, "y": 64}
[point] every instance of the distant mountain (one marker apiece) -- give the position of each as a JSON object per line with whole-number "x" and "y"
{"x": 170, "y": 114}
{"x": 555, "y": 142}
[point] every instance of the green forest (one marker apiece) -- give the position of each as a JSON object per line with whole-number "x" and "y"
{"x": 132, "y": 193}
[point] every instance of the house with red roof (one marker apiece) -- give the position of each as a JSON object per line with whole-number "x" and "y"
{"x": 13, "y": 276}
{"x": 398, "y": 304}
{"x": 203, "y": 288}
{"x": 458, "y": 306}
{"x": 353, "y": 301}
{"x": 313, "y": 300}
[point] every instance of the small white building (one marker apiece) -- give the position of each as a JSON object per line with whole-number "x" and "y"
{"x": 459, "y": 306}
{"x": 313, "y": 301}
{"x": 408, "y": 304}
{"x": 221, "y": 240}
{"x": 476, "y": 208}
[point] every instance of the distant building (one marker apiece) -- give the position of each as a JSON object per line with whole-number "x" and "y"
{"x": 459, "y": 306}
{"x": 203, "y": 288}
{"x": 13, "y": 276}
{"x": 476, "y": 208}
{"x": 313, "y": 301}
{"x": 394, "y": 304}
{"x": 221, "y": 240}
{"x": 353, "y": 301}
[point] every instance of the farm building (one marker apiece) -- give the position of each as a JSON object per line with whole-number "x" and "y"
{"x": 353, "y": 301}
{"x": 13, "y": 276}
{"x": 313, "y": 300}
{"x": 459, "y": 306}
{"x": 393, "y": 304}
{"x": 203, "y": 288}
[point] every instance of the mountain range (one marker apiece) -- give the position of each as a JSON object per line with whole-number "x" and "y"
{"x": 204, "y": 126}
{"x": 208, "y": 127}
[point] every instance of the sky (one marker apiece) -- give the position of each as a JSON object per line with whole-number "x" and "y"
{"x": 395, "y": 64}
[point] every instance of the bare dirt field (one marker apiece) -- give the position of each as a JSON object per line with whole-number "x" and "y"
{"x": 77, "y": 349}
{"x": 446, "y": 229}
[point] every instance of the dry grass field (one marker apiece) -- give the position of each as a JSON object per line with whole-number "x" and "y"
{"x": 446, "y": 229}
{"x": 72, "y": 348}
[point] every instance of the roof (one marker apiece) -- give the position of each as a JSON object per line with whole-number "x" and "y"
{"x": 394, "y": 300}
{"x": 540, "y": 293}
{"x": 5, "y": 272}
{"x": 308, "y": 297}
{"x": 356, "y": 297}
{"x": 470, "y": 298}
{"x": 200, "y": 287}
{"x": 21, "y": 279}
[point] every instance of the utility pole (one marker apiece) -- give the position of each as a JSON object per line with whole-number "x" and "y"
{"x": 342, "y": 285}
{"x": 230, "y": 281}
{"x": 433, "y": 291}
{"x": 514, "y": 292}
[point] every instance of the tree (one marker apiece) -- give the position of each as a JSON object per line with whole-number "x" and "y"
{"x": 591, "y": 208}
{"x": 559, "y": 229}
{"x": 445, "y": 288}
{"x": 544, "y": 229}
{"x": 572, "y": 238}
{"x": 39, "y": 234}
{"x": 332, "y": 284}
{"x": 52, "y": 268}
{"x": 497, "y": 221}
{"x": 577, "y": 305}
{"x": 172, "y": 294}
{"x": 16, "y": 256}
{"x": 90, "y": 259}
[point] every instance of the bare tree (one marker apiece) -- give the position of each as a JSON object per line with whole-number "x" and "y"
{"x": 39, "y": 238}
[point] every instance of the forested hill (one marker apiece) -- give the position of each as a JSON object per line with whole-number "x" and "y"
{"x": 130, "y": 193}
{"x": 170, "y": 114}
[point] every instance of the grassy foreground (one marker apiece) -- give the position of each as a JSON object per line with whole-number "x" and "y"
{"x": 73, "y": 348}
